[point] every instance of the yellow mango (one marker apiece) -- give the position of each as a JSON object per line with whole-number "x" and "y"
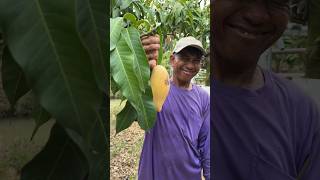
{"x": 160, "y": 85}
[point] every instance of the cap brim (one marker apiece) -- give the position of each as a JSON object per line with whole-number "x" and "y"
{"x": 192, "y": 45}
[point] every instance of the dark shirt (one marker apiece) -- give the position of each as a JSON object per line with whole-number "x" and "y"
{"x": 265, "y": 134}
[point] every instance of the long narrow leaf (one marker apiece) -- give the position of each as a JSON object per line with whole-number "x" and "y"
{"x": 147, "y": 113}
{"x": 141, "y": 67}
{"x": 92, "y": 27}
{"x": 126, "y": 117}
{"x": 116, "y": 26}
{"x": 40, "y": 116}
{"x": 61, "y": 158}
{"x": 44, "y": 41}
{"x": 13, "y": 79}
{"x": 122, "y": 63}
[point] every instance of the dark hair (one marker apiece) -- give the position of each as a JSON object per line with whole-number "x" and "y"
{"x": 191, "y": 50}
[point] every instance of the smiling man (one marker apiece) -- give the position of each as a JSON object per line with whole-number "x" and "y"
{"x": 263, "y": 127}
{"x": 178, "y": 146}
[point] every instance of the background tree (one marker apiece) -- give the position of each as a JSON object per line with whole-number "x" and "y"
{"x": 129, "y": 68}
{"x": 308, "y": 12}
{"x": 313, "y": 60}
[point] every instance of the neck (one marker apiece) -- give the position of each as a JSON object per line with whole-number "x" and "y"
{"x": 248, "y": 77}
{"x": 182, "y": 85}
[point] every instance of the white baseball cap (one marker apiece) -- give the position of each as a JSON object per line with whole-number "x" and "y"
{"x": 188, "y": 41}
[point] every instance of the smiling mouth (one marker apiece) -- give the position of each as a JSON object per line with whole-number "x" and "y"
{"x": 247, "y": 33}
{"x": 188, "y": 72}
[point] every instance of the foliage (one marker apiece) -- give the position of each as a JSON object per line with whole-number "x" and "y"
{"x": 130, "y": 71}
{"x": 313, "y": 60}
{"x": 294, "y": 62}
{"x": 56, "y": 49}
{"x": 129, "y": 68}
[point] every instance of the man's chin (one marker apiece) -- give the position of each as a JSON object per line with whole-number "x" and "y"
{"x": 240, "y": 59}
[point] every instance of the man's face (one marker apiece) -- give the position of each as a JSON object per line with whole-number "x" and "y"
{"x": 244, "y": 29}
{"x": 186, "y": 64}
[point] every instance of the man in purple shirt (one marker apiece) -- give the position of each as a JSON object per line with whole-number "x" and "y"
{"x": 177, "y": 147}
{"x": 263, "y": 127}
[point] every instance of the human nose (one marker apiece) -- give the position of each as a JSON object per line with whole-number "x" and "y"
{"x": 191, "y": 64}
{"x": 257, "y": 12}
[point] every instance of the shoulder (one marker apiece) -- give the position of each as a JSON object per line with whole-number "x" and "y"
{"x": 202, "y": 90}
{"x": 298, "y": 101}
{"x": 288, "y": 89}
{"x": 202, "y": 93}
{"x": 301, "y": 108}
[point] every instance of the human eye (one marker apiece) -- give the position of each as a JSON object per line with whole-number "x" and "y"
{"x": 196, "y": 61}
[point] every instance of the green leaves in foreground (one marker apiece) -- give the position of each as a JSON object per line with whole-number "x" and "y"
{"x": 58, "y": 48}
{"x": 126, "y": 117}
{"x": 60, "y": 154}
{"x": 130, "y": 71}
{"x": 13, "y": 80}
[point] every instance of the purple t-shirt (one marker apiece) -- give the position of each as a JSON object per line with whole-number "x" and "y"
{"x": 266, "y": 134}
{"x": 177, "y": 147}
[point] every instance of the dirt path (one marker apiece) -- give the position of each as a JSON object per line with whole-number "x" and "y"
{"x": 125, "y": 147}
{"x": 16, "y": 149}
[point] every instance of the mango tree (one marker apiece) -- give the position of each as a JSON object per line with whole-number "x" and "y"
{"x": 130, "y": 72}
{"x": 57, "y": 49}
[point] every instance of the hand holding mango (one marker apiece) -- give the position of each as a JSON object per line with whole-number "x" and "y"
{"x": 159, "y": 77}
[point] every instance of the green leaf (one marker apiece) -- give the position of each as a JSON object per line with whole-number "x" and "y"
{"x": 61, "y": 158}
{"x": 13, "y": 79}
{"x": 97, "y": 157}
{"x": 113, "y": 3}
{"x": 115, "y": 12}
{"x": 140, "y": 62}
{"x": 92, "y": 28}
{"x": 116, "y": 26}
{"x": 121, "y": 64}
{"x": 130, "y": 17}
{"x": 40, "y": 116}
{"x": 147, "y": 113}
{"x": 126, "y": 117}
{"x": 126, "y": 3}
{"x": 123, "y": 72}
{"x": 140, "y": 9}
{"x": 144, "y": 26}
{"x": 44, "y": 40}
{"x": 114, "y": 87}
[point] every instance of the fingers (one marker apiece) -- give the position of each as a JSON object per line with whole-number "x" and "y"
{"x": 151, "y": 45}
{"x": 150, "y": 42}
{"x": 152, "y": 63}
{"x": 152, "y": 55}
{"x": 146, "y": 40}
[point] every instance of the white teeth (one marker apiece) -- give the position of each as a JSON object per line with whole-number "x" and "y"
{"x": 246, "y": 33}
{"x": 187, "y": 72}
